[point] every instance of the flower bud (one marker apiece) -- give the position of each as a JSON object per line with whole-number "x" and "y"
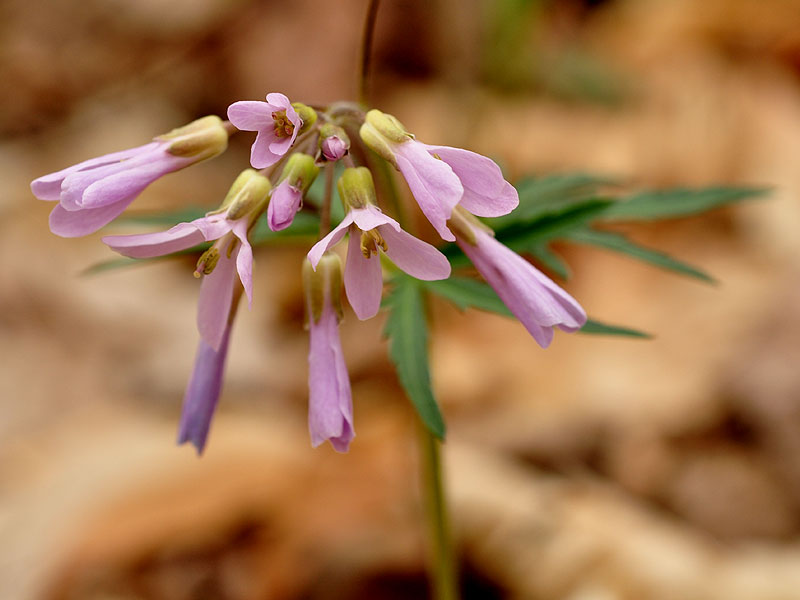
{"x": 300, "y": 171}
{"x": 307, "y": 114}
{"x": 248, "y": 194}
{"x": 323, "y": 286}
{"x": 356, "y": 188}
{"x": 333, "y": 142}
{"x": 199, "y": 139}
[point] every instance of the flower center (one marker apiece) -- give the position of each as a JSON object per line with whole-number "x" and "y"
{"x": 283, "y": 126}
{"x": 370, "y": 242}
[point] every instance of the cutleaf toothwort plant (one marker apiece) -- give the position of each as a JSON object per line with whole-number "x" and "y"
{"x": 294, "y": 142}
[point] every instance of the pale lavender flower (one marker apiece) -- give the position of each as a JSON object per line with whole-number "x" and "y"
{"x": 276, "y": 122}
{"x": 440, "y": 177}
{"x": 93, "y": 193}
{"x": 369, "y": 231}
{"x": 538, "y": 303}
{"x": 287, "y": 197}
{"x": 219, "y": 265}
{"x": 202, "y": 393}
{"x": 330, "y": 405}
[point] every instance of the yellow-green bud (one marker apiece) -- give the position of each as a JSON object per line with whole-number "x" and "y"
{"x": 248, "y": 194}
{"x": 463, "y": 224}
{"x": 300, "y": 171}
{"x": 388, "y": 126}
{"x": 307, "y": 114}
{"x": 324, "y": 284}
{"x": 356, "y": 188}
{"x": 199, "y": 139}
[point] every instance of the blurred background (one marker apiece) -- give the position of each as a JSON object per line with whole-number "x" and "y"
{"x": 602, "y": 469}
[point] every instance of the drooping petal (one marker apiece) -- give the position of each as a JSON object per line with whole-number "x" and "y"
{"x": 371, "y": 217}
{"x": 216, "y": 294}
{"x": 244, "y": 260}
{"x": 75, "y": 223}
{"x": 534, "y": 299}
{"x": 202, "y": 393}
{"x": 48, "y": 187}
{"x": 283, "y": 205}
{"x": 330, "y": 240}
{"x": 330, "y": 407}
{"x": 435, "y": 186}
{"x": 251, "y": 115}
{"x": 486, "y": 192}
{"x": 417, "y": 258}
{"x": 363, "y": 279}
{"x": 147, "y": 245}
{"x": 129, "y": 183}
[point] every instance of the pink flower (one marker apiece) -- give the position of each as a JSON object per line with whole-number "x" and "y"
{"x": 538, "y": 303}
{"x": 287, "y": 197}
{"x": 93, "y": 193}
{"x": 369, "y": 231}
{"x": 202, "y": 393}
{"x": 276, "y": 122}
{"x": 441, "y": 177}
{"x": 330, "y": 406}
{"x": 219, "y": 265}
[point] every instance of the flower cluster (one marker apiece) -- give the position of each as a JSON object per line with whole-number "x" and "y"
{"x": 293, "y": 143}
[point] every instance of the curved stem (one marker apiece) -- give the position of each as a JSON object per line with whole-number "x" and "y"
{"x": 366, "y": 49}
{"x": 325, "y": 212}
{"x": 443, "y": 569}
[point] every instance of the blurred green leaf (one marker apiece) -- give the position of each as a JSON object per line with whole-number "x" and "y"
{"x": 407, "y": 331}
{"x": 550, "y": 260}
{"x": 597, "y": 328}
{"x": 465, "y": 293}
{"x": 165, "y": 219}
{"x": 619, "y": 243}
{"x": 665, "y": 204}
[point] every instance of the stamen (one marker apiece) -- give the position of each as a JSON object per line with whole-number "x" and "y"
{"x": 370, "y": 242}
{"x": 283, "y": 126}
{"x": 208, "y": 260}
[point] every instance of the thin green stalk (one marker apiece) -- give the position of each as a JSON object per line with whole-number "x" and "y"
{"x": 443, "y": 568}
{"x": 366, "y": 49}
{"x": 325, "y": 212}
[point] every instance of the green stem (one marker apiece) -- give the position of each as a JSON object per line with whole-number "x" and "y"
{"x": 445, "y": 583}
{"x": 325, "y": 212}
{"x": 366, "y": 49}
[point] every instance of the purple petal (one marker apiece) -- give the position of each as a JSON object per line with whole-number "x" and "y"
{"x": 283, "y": 205}
{"x": 216, "y": 294}
{"x": 261, "y": 155}
{"x": 330, "y": 406}
{"x": 147, "y": 245}
{"x": 435, "y": 186}
{"x": 363, "y": 279}
{"x": 417, "y": 258}
{"x": 534, "y": 299}
{"x": 279, "y": 101}
{"x": 371, "y": 217}
{"x": 333, "y": 148}
{"x": 75, "y": 223}
{"x": 244, "y": 260}
{"x": 251, "y": 115}
{"x": 202, "y": 393}
{"x": 333, "y": 238}
{"x": 48, "y": 187}
{"x": 486, "y": 192}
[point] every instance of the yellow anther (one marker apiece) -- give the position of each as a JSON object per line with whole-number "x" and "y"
{"x": 208, "y": 260}
{"x": 370, "y": 242}
{"x": 283, "y": 126}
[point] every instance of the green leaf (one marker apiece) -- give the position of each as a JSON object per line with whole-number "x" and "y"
{"x": 551, "y": 260}
{"x": 529, "y": 236}
{"x": 680, "y": 202}
{"x": 593, "y": 327}
{"x": 167, "y": 219}
{"x": 407, "y": 331}
{"x": 619, "y": 243}
{"x": 471, "y": 293}
{"x": 465, "y": 292}
{"x": 554, "y": 194}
